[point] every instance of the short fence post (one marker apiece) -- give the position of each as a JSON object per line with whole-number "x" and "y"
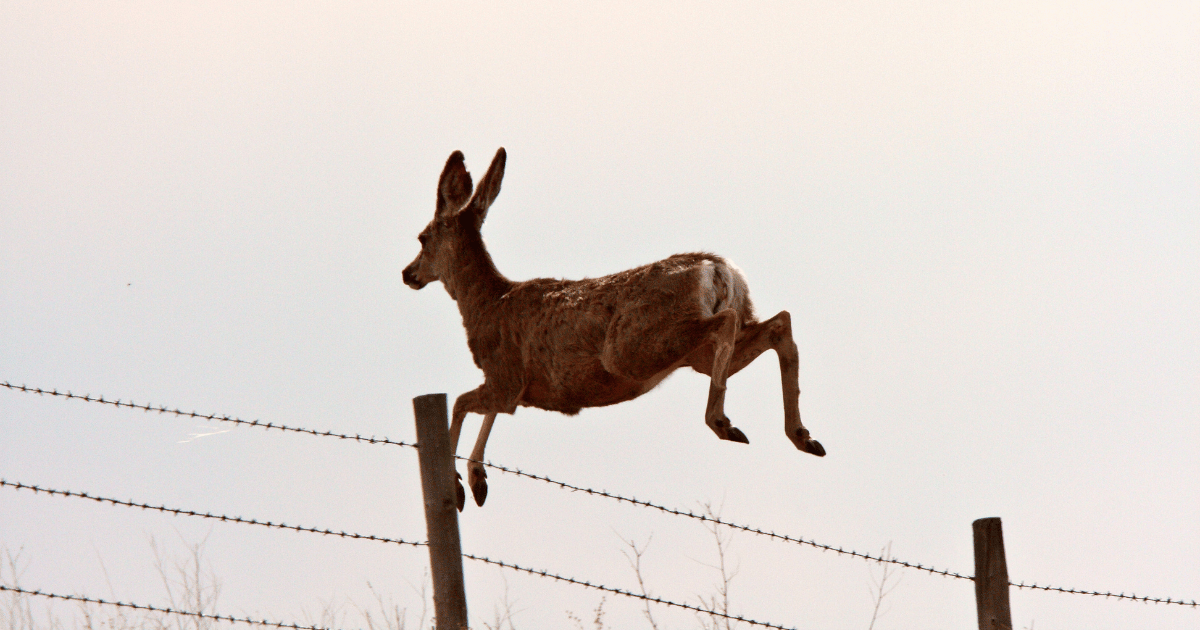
{"x": 441, "y": 514}
{"x": 991, "y": 576}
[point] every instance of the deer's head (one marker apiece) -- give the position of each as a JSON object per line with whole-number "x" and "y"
{"x": 458, "y": 217}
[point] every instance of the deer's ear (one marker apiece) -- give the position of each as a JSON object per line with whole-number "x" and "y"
{"x": 454, "y": 187}
{"x": 489, "y": 187}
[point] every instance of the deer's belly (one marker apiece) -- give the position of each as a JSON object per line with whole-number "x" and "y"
{"x": 593, "y": 387}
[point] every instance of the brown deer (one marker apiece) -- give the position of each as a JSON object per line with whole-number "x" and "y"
{"x": 563, "y": 345}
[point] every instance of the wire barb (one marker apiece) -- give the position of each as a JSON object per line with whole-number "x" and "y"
{"x": 171, "y": 611}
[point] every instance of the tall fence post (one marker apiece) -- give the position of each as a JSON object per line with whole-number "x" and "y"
{"x": 441, "y": 513}
{"x": 991, "y": 576}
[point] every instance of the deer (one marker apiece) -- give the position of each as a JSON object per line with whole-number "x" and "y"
{"x": 566, "y": 345}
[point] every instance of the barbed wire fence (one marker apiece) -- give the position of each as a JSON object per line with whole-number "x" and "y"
{"x": 647, "y": 504}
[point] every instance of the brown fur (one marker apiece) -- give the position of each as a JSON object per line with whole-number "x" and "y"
{"x": 564, "y": 345}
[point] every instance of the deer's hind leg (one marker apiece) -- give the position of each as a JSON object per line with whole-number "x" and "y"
{"x": 723, "y": 339}
{"x": 776, "y": 334}
{"x": 646, "y": 350}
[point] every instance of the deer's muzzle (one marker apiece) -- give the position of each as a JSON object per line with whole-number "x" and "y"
{"x": 411, "y": 279}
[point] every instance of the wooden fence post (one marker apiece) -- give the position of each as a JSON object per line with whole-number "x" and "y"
{"x": 991, "y": 576}
{"x": 441, "y": 513}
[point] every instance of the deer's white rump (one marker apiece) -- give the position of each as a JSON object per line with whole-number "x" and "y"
{"x": 563, "y": 345}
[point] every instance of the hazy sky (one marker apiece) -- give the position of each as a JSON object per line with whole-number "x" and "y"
{"x": 983, "y": 218}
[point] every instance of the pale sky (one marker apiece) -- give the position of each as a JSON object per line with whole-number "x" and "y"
{"x": 983, "y": 218}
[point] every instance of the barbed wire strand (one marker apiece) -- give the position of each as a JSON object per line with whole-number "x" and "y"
{"x": 218, "y": 517}
{"x": 591, "y": 491}
{"x": 719, "y": 521}
{"x": 617, "y": 591}
{"x": 1133, "y": 597}
{"x": 148, "y": 607}
{"x": 200, "y": 416}
{"x": 546, "y": 574}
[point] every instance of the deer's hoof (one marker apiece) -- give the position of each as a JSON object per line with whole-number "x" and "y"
{"x": 805, "y": 443}
{"x": 478, "y": 480}
{"x": 735, "y": 435}
{"x": 460, "y": 495}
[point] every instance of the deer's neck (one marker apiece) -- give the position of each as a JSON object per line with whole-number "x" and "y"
{"x": 475, "y": 284}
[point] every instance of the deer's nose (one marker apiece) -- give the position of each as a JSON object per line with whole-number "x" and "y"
{"x": 410, "y": 278}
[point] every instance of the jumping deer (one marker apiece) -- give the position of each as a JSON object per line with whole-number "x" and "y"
{"x": 563, "y": 345}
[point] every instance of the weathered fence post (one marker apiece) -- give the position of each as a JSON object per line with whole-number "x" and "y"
{"x": 441, "y": 514}
{"x": 991, "y": 576}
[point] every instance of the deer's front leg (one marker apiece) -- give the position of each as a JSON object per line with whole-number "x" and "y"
{"x": 456, "y": 422}
{"x": 476, "y": 475}
{"x": 466, "y": 403}
{"x": 483, "y": 401}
